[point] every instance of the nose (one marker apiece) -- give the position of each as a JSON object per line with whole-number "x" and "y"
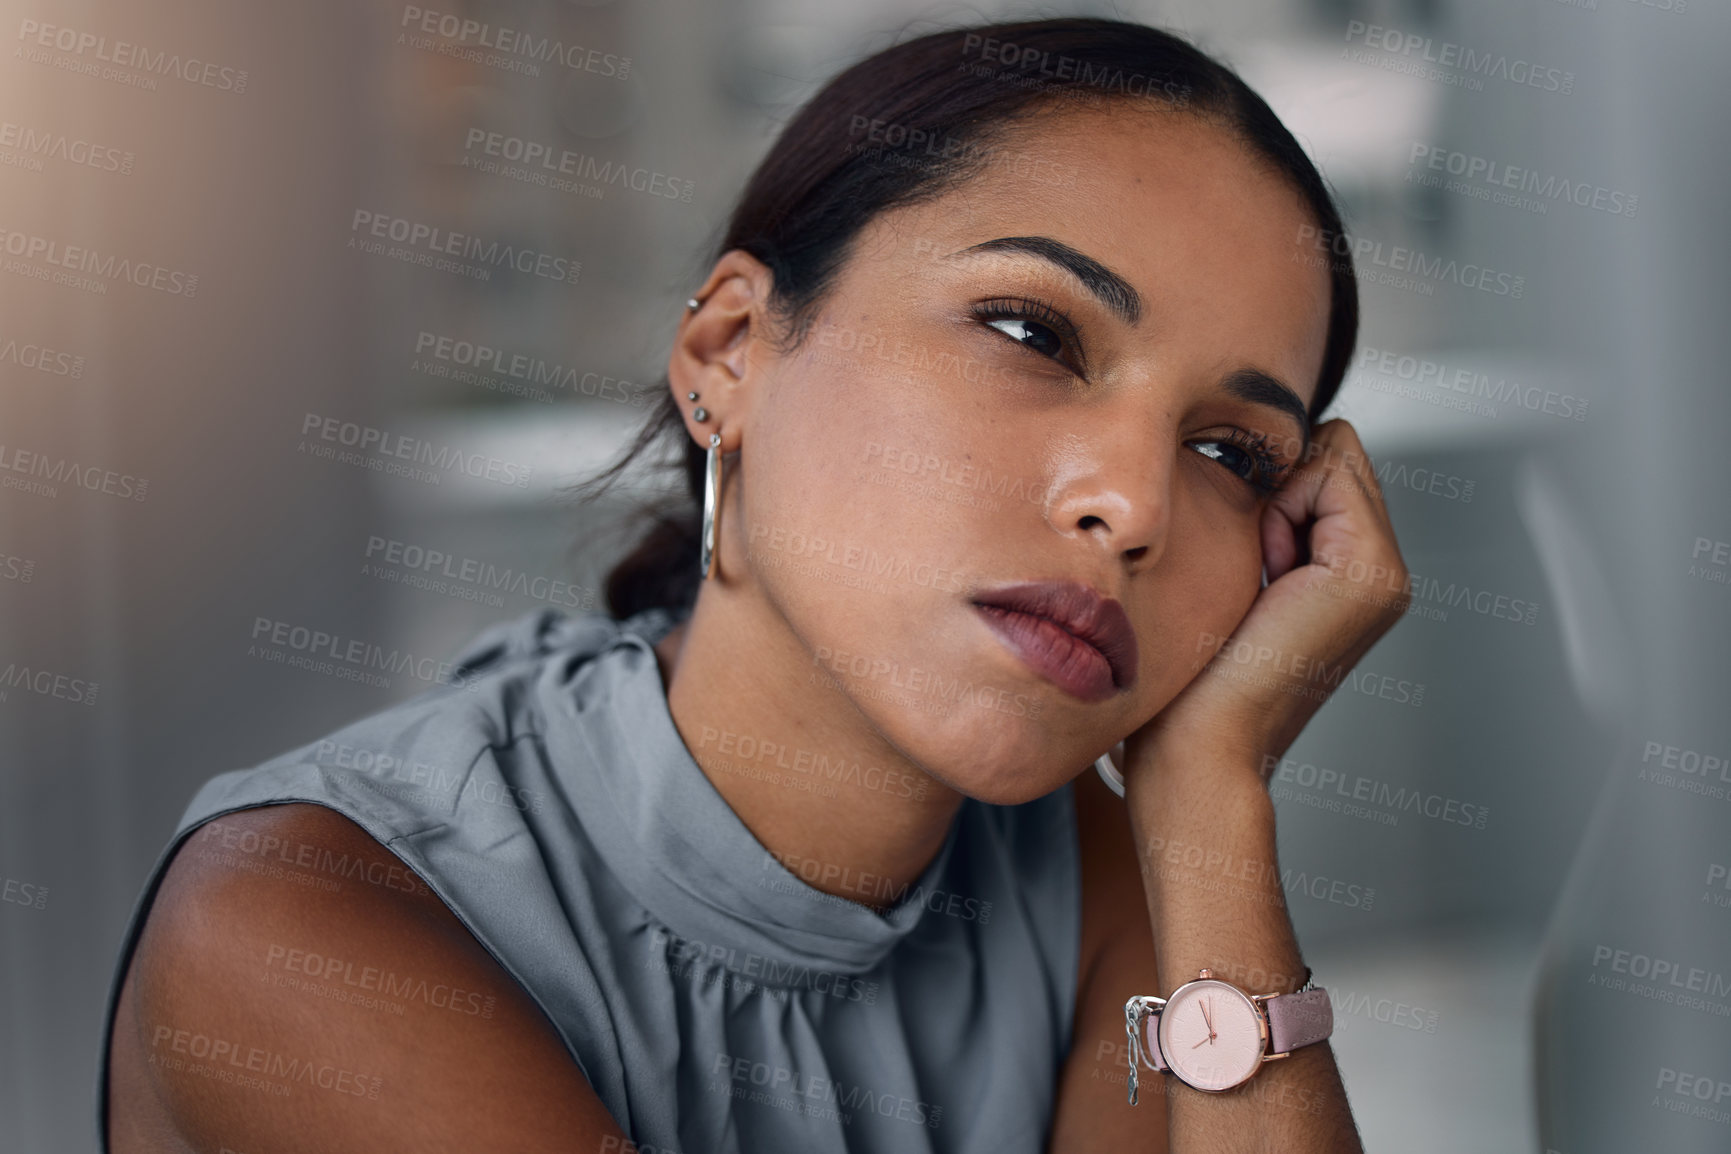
{"x": 1116, "y": 492}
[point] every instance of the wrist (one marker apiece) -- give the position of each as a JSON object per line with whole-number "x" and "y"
{"x": 1183, "y": 762}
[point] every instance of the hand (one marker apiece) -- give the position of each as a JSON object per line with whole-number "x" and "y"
{"x": 1336, "y": 584}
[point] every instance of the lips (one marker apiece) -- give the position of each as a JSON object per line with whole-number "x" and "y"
{"x": 1067, "y": 633}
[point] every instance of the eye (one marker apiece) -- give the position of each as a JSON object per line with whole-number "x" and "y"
{"x": 1037, "y": 326}
{"x": 1246, "y": 457}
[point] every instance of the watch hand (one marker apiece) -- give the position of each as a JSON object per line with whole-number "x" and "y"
{"x": 1209, "y": 1038}
{"x": 1203, "y": 1006}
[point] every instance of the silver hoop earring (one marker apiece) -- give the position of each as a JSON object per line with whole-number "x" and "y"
{"x": 711, "y": 498}
{"x": 1109, "y": 773}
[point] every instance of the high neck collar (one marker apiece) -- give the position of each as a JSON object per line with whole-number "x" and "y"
{"x": 675, "y": 843}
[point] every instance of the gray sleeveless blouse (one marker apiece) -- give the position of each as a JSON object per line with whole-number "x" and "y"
{"x": 716, "y": 1002}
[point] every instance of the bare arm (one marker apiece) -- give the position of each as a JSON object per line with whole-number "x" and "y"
{"x": 1202, "y": 821}
{"x": 1093, "y": 1111}
{"x": 267, "y": 1012}
{"x": 1229, "y": 915}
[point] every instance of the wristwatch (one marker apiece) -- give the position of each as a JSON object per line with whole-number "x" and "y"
{"x": 1213, "y": 1036}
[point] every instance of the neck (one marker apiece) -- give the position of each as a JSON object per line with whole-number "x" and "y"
{"x": 837, "y": 804}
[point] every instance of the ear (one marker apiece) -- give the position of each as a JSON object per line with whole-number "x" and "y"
{"x": 720, "y": 348}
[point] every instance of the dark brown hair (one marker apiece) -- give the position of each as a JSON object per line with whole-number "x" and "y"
{"x": 907, "y": 125}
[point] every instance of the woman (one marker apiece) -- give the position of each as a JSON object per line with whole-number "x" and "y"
{"x": 1009, "y": 362}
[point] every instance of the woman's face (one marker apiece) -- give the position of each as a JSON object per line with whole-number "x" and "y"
{"x": 1080, "y": 405}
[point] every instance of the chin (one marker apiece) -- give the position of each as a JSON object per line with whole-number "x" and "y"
{"x": 997, "y": 761}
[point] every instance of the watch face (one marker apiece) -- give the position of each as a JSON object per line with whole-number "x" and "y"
{"x": 1211, "y": 1035}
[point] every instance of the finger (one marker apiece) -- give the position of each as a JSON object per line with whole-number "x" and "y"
{"x": 1333, "y": 502}
{"x": 1346, "y": 451}
{"x": 1294, "y": 504}
{"x": 1280, "y": 545}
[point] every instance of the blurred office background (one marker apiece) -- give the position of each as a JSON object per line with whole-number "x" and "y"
{"x": 1554, "y": 448}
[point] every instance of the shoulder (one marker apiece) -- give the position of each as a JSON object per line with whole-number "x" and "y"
{"x": 466, "y": 744}
{"x": 366, "y": 1016}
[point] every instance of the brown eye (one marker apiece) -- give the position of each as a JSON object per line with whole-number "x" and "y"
{"x": 1246, "y": 458}
{"x": 1035, "y": 335}
{"x": 1036, "y": 326}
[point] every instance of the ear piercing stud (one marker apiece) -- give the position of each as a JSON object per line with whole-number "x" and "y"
{"x": 700, "y": 413}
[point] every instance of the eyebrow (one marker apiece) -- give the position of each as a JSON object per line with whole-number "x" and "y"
{"x": 1259, "y": 388}
{"x": 1112, "y": 290}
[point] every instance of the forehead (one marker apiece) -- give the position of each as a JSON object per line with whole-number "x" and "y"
{"x": 1217, "y": 242}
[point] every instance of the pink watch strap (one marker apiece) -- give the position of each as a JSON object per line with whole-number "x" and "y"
{"x": 1296, "y": 1020}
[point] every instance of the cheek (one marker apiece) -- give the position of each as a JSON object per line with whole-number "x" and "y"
{"x": 1213, "y": 572}
{"x": 844, "y": 524}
